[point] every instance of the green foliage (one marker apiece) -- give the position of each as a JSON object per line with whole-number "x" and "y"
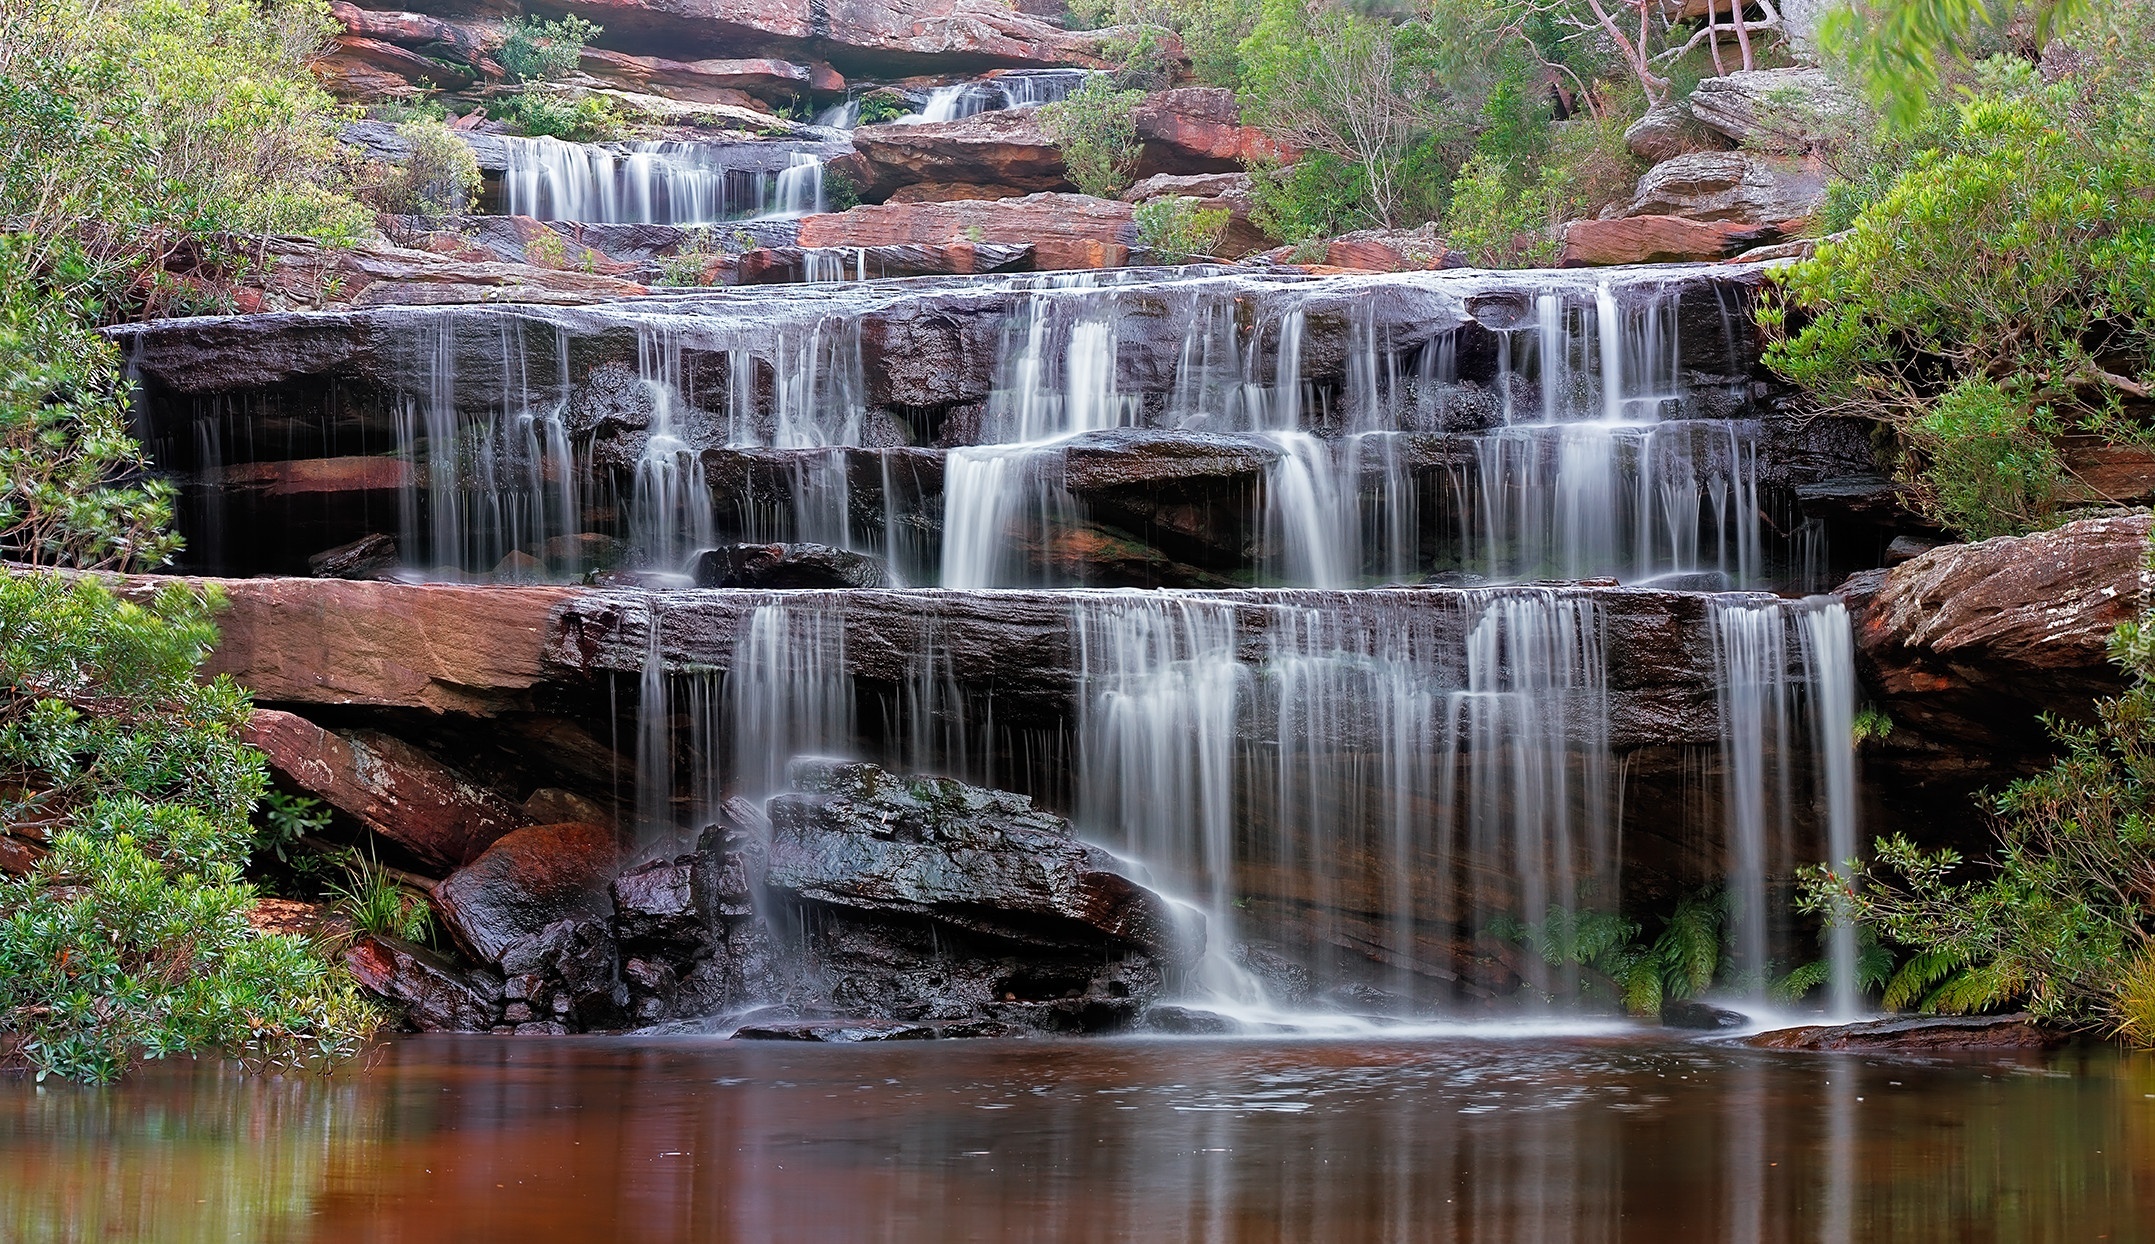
{"x": 840, "y": 191}
{"x": 543, "y": 114}
{"x": 881, "y": 105}
{"x": 1317, "y": 196}
{"x": 139, "y": 128}
{"x": 2059, "y": 921}
{"x": 1098, "y": 138}
{"x": 1175, "y": 229}
{"x": 440, "y": 178}
{"x": 543, "y": 51}
{"x": 73, "y": 484}
{"x": 2002, "y": 291}
{"x": 285, "y": 820}
{"x": 1901, "y": 48}
{"x": 129, "y": 941}
{"x": 1509, "y": 207}
{"x": 1212, "y": 32}
{"x": 1871, "y": 724}
{"x": 1681, "y": 961}
{"x": 378, "y": 904}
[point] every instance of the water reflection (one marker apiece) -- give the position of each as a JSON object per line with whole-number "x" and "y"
{"x": 1543, "y": 1140}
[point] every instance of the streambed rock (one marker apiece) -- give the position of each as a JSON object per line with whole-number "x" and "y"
{"x": 527, "y": 882}
{"x": 1918, "y": 1035}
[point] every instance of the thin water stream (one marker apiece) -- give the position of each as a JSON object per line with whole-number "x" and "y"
{"x": 1531, "y": 1138}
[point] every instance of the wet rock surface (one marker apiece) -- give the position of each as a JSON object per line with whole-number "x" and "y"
{"x": 434, "y": 994}
{"x": 787, "y": 566}
{"x": 1917, "y": 1035}
{"x": 526, "y": 882}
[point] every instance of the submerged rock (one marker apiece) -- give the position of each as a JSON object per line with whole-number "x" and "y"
{"x": 1918, "y": 1035}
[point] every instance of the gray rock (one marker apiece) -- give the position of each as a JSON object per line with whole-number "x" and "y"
{"x": 781, "y": 566}
{"x": 434, "y": 994}
{"x": 1730, "y": 186}
{"x": 1777, "y": 110}
{"x": 1685, "y": 1013}
{"x": 365, "y": 558}
{"x": 1667, "y": 131}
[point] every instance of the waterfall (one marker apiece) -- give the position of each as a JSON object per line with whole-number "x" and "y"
{"x": 786, "y": 693}
{"x": 666, "y": 183}
{"x": 670, "y": 509}
{"x": 1769, "y": 707}
{"x": 1353, "y": 758}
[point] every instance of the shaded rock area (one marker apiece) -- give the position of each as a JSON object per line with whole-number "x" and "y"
{"x": 1918, "y": 1035}
{"x": 1658, "y": 239}
{"x": 787, "y": 566}
{"x": 1965, "y": 646}
{"x": 856, "y": 906}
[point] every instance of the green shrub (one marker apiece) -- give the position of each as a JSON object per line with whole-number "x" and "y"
{"x": 378, "y": 903}
{"x": 439, "y": 178}
{"x": 129, "y": 940}
{"x": 1680, "y": 962}
{"x": 2058, "y": 921}
{"x": 1175, "y": 229}
{"x": 1098, "y": 138}
{"x": 1317, "y": 196}
{"x": 541, "y": 51}
{"x": 1212, "y": 30}
{"x": 2001, "y": 291}
{"x": 540, "y": 114}
{"x": 882, "y": 105}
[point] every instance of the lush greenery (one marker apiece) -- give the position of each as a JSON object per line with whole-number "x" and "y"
{"x": 2063, "y": 921}
{"x": 1097, "y": 135}
{"x": 1175, "y": 229}
{"x": 542, "y": 51}
{"x": 439, "y": 178}
{"x": 1998, "y": 292}
{"x": 130, "y": 940}
{"x": 1679, "y": 962}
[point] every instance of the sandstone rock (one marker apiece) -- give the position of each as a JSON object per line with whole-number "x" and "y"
{"x": 566, "y": 974}
{"x": 357, "y": 67}
{"x": 438, "y": 647}
{"x": 1918, "y": 1035}
{"x": 1669, "y": 130}
{"x": 701, "y": 81}
{"x": 1655, "y": 239}
{"x": 434, "y": 994}
{"x": 1776, "y": 110}
{"x": 788, "y": 566}
{"x": 412, "y": 30}
{"x": 858, "y": 36}
{"x": 296, "y": 918}
{"x": 390, "y": 787}
{"x": 1065, "y": 230}
{"x": 17, "y": 857}
{"x": 850, "y": 835}
{"x": 1393, "y": 250}
{"x": 2098, "y": 472}
{"x": 300, "y": 274}
{"x": 1197, "y": 130}
{"x": 1005, "y": 148}
{"x": 527, "y": 881}
{"x": 306, "y": 476}
{"x": 656, "y": 903}
{"x": 954, "y": 192}
{"x": 1730, "y": 186}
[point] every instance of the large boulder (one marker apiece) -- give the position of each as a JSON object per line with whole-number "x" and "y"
{"x": 708, "y": 81}
{"x": 527, "y": 882}
{"x": 1065, "y": 230}
{"x": 1730, "y": 186}
{"x": 1005, "y": 148}
{"x": 1787, "y": 111}
{"x": 1197, "y": 129}
{"x": 390, "y": 787}
{"x": 434, "y": 994}
{"x": 780, "y": 566}
{"x": 1669, "y": 130}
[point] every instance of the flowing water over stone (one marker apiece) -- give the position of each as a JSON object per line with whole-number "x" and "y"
{"x": 1362, "y": 794}
{"x": 662, "y": 183}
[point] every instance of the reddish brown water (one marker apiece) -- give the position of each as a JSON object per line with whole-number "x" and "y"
{"x": 1539, "y": 1139}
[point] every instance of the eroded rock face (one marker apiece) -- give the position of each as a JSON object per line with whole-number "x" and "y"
{"x": 1066, "y": 230}
{"x": 1669, "y": 130}
{"x": 1197, "y": 129}
{"x": 387, "y": 785}
{"x": 1658, "y": 239}
{"x": 1776, "y": 110}
{"x": 434, "y": 994}
{"x": 1918, "y": 1034}
{"x": 787, "y": 566}
{"x": 1730, "y": 186}
{"x": 526, "y": 882}
{"x": 1005, "y": 148}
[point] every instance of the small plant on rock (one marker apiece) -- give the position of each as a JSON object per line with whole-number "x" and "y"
{"x": 1097, "y": 131}
{"x": 1175, "y": 229}
{"x": 543, "y": 51}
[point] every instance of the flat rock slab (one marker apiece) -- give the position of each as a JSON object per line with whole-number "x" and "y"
{"x": 1916, "y": 1036}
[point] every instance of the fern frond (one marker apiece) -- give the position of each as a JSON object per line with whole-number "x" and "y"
{"x": 1920, "y": 974}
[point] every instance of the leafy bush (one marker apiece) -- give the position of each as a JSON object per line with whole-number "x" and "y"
{"x": 1174, "y": 228}
{"x": 439, "y": 178}
{"x": 1681, "y": 961}
{"x": 541, "y": 51}
{"x": 1212, "y": 30}
{"x": 881, "y": 105}
{"x": 129, "y": 941}
{"x": 1098, "y": 138}
{"x": 540, "y": 114}
{"x": 2059, "y": 920}
{"x": 2002, "y": 290}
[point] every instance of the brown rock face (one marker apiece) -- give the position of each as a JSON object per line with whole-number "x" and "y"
{"x": 387, "y": 785}
{"x": 1966, "y": 645}
{"x": 1198, "y": 129}
{"x": 527, "y": 881}
{"x": 1916, "y": 1035}
{"x": 434, "y": 994}
{"x": 1007, "y": 148}
{"x": 700, "y": 81}
{"x": 1066, "y": 230}
{"x": 1656, "y": 239}
{"x": 438, "y": 647}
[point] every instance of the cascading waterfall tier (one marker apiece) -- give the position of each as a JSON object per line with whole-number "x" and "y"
{"x": 665, "y": 183}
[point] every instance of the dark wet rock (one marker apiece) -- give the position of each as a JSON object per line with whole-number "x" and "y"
{"x": 853, "y": 836}
{"x": 568, "y": 973}
{"x": 1689, "y": 1013}
{"x": 1918, "y": 1035}
{"x": 1870, "y": 499}
{"x": 1907, "y": 549}
{"x": 656, "y": 903}
{"x": 434, "y": 994}
{"x": 787, "y": 566}
{"x": 794, "y": 264}
{"x": 1285, "y": 978}
{"x": 1007, "y": 148}
{"x": 365, "y": 558}
{"x": 390, "y": 787}
{"x": 528, "y": 881}
{"x": 837, "y": 1031}
{"x": 1187, "y": 1021}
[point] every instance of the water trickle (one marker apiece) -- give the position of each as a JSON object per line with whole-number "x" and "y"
{"x": 670, "y": 509}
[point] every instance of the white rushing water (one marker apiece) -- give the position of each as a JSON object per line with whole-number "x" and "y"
{"x": 666, "y": 183}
